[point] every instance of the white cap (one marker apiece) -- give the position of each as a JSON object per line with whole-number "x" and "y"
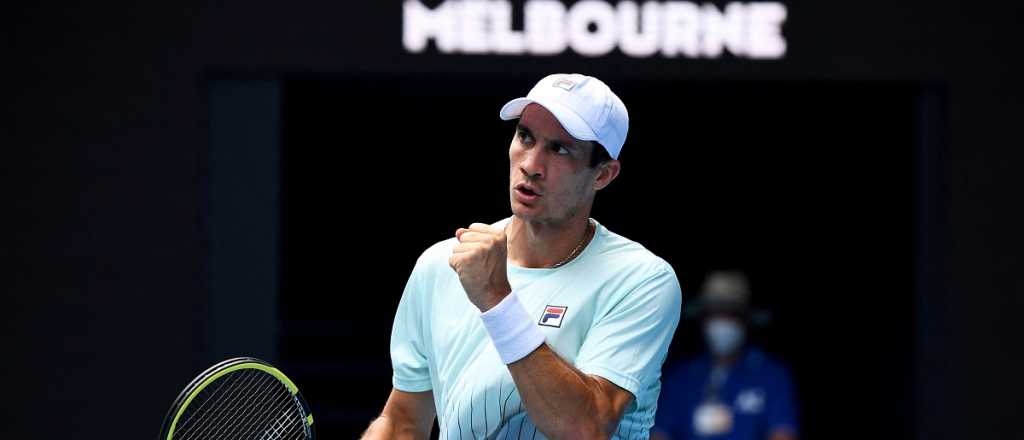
{"x": 584, "y": 105}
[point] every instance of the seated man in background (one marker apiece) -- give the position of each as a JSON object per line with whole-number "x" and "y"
{"x": 733, "y": 390}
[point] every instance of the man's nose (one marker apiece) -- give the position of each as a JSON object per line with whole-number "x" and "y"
{"x": 533, "y": 163}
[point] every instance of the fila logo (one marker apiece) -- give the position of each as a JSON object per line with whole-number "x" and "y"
{"x": 564, "y": 84}
{"x": 553, "y": 316}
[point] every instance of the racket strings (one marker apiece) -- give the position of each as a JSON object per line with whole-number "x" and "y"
{"x": 202, "y": 421}
{"x": 245, "y": 404}
{"x": 241, "y": 406}
{"x": 284, "y": 407}
{"x": 288, "y": 424}
{"x": 249, "y": 403}
{"x": 206, "y": 396}
{"x": 284, "y": 429}
{"x": 235, "y": 417}
{"x": 256, "y": 418}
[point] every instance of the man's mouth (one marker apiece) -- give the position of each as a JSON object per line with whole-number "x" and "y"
{"x": 527, "y": 190}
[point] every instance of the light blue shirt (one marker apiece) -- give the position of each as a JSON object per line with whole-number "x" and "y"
{"x": 610, "y": 312}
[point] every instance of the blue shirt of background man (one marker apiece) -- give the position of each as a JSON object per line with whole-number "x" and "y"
{"x": 757, "y": 390}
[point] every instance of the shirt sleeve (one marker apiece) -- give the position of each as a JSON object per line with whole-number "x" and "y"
{"x": 628, "y": 343}
{"x": 781, "y": 411}
{"x": 409, "y": 362}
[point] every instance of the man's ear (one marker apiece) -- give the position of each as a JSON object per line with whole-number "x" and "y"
{"x": 607, "y": 172}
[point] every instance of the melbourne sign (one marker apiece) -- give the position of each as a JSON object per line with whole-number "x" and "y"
{"x": 594, "y": 28}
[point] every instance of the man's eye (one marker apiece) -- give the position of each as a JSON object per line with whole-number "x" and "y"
{"x": 525, "y": 137}
{"x": 561, "y": 150}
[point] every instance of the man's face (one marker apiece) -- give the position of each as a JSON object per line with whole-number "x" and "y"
{"x": 550, "y": 177}
{"x": 724, "y": 333}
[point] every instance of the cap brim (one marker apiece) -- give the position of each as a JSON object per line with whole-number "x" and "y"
{"x": 570, "y": 121}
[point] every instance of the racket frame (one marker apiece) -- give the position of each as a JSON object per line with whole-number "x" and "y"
{"x": 216, "y": 371}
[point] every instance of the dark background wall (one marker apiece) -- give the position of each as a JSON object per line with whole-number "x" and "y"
{"x": 106, "y": 250}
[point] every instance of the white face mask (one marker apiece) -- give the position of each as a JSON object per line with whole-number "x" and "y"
{"x": 723, "y": 335}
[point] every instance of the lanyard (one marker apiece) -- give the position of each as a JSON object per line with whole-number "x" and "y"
{"x": 716, "y": 380}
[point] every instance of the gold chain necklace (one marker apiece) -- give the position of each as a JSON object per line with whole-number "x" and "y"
{"x": 578, "y": 246}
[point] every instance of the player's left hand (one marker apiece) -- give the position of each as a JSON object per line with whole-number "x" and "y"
{"x": 480, "y": 260}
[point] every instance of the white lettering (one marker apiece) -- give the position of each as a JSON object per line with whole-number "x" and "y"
{"x": 473, "y": 26}
{"x": 764, "y": 32}
{"x": 682, "y": 30}
{"x": 545, "y": 22}
{"x": 421, "y": 24}
{"x": 504, "y": 40}
{"x": 638, "y": 31}
{"x": 596, "y": 27}
{"x": 722, "y": 29}
{"x": 601, "y": 16}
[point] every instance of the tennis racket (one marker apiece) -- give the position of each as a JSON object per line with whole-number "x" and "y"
{"x": 240, "y": 398}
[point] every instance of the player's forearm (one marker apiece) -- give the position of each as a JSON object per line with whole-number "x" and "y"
{"x": 406, "y": 415}
{"x": 387, "y": 428}
{"x": 563, "y": 402}
{"x": 380, "y": 429}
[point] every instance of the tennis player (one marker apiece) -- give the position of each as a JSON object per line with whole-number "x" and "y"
{"x": 545, "y": 324}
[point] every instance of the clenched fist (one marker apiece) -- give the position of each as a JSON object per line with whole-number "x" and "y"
{"x": 480, "y": 261}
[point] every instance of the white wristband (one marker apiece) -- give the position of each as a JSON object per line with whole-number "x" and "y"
{"x": 512, "y": 331}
